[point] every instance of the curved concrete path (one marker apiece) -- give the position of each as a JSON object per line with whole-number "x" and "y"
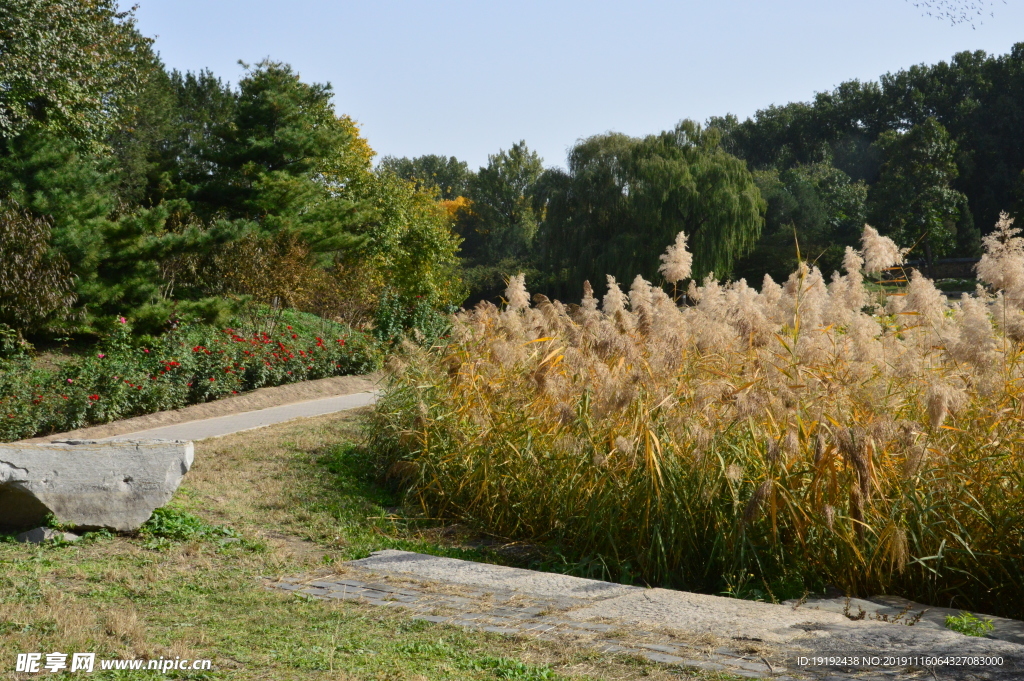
{"x": 248, "y": 420}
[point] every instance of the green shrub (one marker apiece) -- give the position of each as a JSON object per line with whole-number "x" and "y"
{"x": 396, "y": 316}
{"x": 191, "y": 364}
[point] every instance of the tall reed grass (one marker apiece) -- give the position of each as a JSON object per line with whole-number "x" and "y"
{"x": 750, "y": 442}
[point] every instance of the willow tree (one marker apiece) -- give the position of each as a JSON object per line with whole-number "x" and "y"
{"x": 624, "y": 199}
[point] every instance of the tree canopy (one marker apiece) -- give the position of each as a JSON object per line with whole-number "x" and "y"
{"x": 149, "y": 210}
{"x": 624, "y": 199}
{"x": 813, "y": 211}
{"x": 68, "y": 66}
{"x": 913, "y": 199}
{"x": 449, "y": 176}
{"x": 975, "y": 98}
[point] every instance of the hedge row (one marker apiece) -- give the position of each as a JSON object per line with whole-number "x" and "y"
{"x": 191, "y": 364}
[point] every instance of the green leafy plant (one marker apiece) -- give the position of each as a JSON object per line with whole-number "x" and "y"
{"x": 514, "y": 670}
{"x": 969, "y": 624}
{"x": 395, "y": 317}
{"x": 170, "y": 525}
{"x": 52, "y": 522}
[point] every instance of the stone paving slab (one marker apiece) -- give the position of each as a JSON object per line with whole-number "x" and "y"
{"x": 454, "y": 571}
{"x": 755, "y": 640}
{"x": 932, "y": 617}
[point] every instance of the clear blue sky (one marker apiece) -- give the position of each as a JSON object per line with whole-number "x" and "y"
{"x": 469, "y": 78}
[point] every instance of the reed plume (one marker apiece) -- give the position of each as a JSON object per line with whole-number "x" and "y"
{"x": 810, "y": 432}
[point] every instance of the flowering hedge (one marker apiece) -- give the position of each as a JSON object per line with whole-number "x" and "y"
{"x": 189, "y": 365}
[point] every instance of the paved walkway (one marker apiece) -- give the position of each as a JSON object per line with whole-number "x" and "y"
{"x": 236, "y": 423}
{"x": 743, "y": 638}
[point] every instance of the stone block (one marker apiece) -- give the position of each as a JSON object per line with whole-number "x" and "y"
{"x": 44, "y": 534}
{"x": 89, "y": 485}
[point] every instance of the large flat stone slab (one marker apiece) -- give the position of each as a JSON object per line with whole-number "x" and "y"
{"x": 483, "y": 575}
{"x": 814, "y": 631}
{"x": 701, "y": 613}
{"x": 809, "y": 640}
{"x": 88, "y": 484}
{"x": 933, "y": 617}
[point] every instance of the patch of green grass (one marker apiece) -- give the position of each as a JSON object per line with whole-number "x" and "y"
{"x": 507, "y": 668}
{"x": 956, "y": 284}
{"x": 969, "y": 624}
{"x": 370, "y": 514}
{"x": 170, "y": 524}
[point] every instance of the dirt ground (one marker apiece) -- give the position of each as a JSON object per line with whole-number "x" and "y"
{"x": 263, "y": 398}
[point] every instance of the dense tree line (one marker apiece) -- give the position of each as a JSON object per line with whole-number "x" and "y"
{"x": 128, "y": 189}
{"x": 929, "y": 155}
{"x": 936, "y": 150}
{"x": 620, "y": 202}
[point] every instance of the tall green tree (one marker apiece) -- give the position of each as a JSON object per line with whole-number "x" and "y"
{"x": 68, "y": 66}
{"x": 268, "y": 162}
{"x": 977, "y": 97}
{"x": 503, "y": 222}
{"x": 449, "y": 176}
{"x": 116, "y": 253}
{"x": 624, "y": 199}
{"x": 165, "y": 152}
{"x": 139, "y": 146}
{"x": 816, "y": 208}
{"x": 914, "y": 199}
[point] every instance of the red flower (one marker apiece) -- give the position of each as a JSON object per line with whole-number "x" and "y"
{"x": 94, "y": 397}
{"x": 294, "y": 335}
{"x": 212, "y": 379}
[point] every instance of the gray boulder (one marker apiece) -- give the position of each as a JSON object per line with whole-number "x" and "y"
{"x": 89, "y": 485}
{"x": 45, "y": 534}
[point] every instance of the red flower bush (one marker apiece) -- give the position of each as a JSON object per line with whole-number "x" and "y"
{"x": 191, "y": 364}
